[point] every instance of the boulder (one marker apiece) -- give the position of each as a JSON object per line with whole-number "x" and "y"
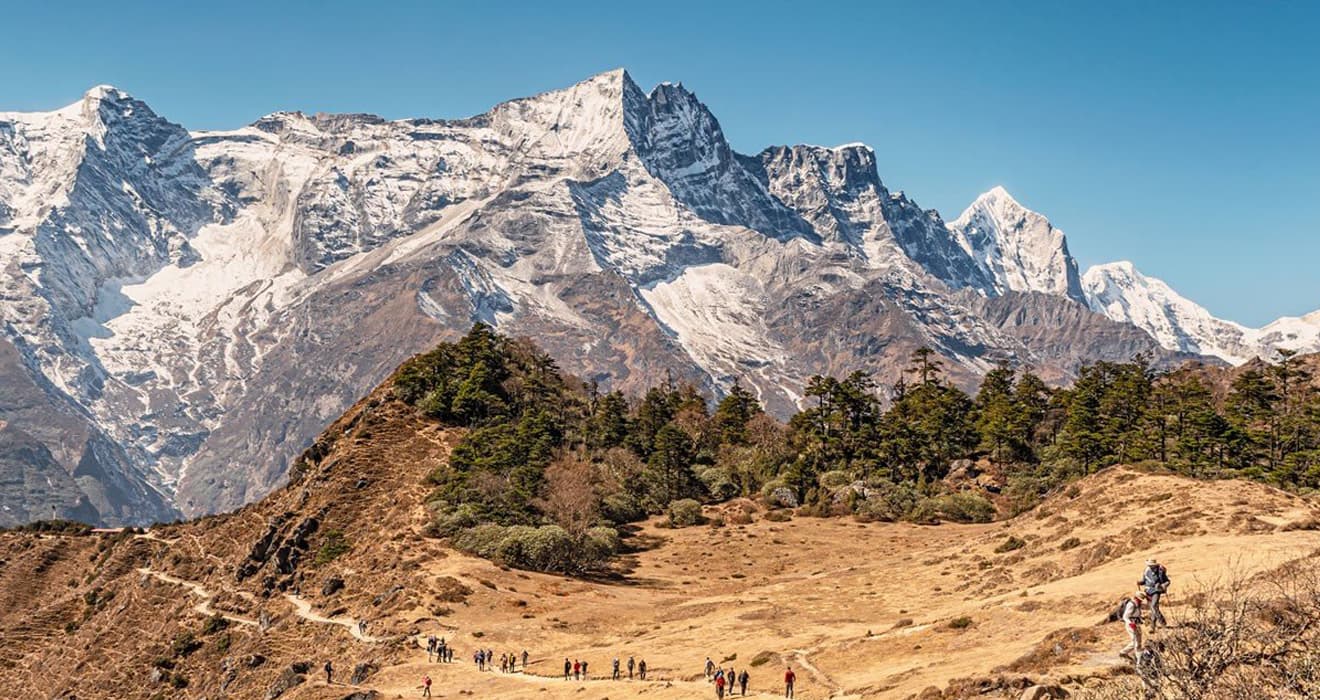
{"x": 362, "y": 672}
{"x": 783, "y": 497}
{"x": 287, "y": 680}
{"x": 332, "y": 586}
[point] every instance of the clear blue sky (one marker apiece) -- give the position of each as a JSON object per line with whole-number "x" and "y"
{"x": 1185, "y": 137}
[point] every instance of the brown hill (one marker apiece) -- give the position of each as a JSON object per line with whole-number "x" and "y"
{"x": 250, "y": 604}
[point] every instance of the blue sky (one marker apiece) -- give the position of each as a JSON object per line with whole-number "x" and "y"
{"x": 1185, "y": 137}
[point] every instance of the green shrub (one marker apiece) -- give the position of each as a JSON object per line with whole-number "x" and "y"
{"x": 621, "y": 508}
{"x": 685, "y": 512}
{"x": 890, "y": 501}
{"x": 545, "y": 548}
{"x": 602, "y": 542}
{"x": 214, "y": 623}
{"x": 718, "y": 483}
{"x": 448, "y": 522}
{"x": 834, "y": 479}
{"x": 185, "y": 644}
{"x": 966, "y": 507}
{"x": 482, "y": 540}
{"x": 332, "y": 547}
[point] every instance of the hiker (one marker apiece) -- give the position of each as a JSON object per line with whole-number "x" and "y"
{"x": 1155, "y": 582}
{"x": 362, "y": 628}
{"x": 730, "y": 678}
{"x": 789, "y": 679}
{"x": 329, "y": 671}
{"x": 1132, "y": 621}
{"x": 719, "y": 685}
{"x": 504, "y": 663}
{"x": 641, "y": 669}
{"x": 584, "y": 670}
{"x": 710, "y": 669}
{"x": 524, "y": 660}
{"x": 577, "y": 670}
{"x": 743, "y": 680}
{"x": 426, "y": 686}
{"x": 614, "y": 675}
{"x": 631, "y": 665}
{"x": 568, "y": 667}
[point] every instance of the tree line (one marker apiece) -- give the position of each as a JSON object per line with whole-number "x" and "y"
{"x": 550, "y": 467}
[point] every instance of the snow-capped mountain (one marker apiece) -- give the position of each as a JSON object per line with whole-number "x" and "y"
{"x": 1018, "y": 249}
{"x": 194, "y": 307}
{"x": 1122, "y": 293}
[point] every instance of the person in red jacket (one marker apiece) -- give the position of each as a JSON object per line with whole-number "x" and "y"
{"x": 789, "y": 679}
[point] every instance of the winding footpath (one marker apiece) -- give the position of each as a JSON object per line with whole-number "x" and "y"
{"x": 204, "y": 607}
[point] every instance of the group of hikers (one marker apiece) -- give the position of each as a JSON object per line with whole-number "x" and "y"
{"x": 437, "y": 649}
{"x": 1151, "y": 588}
{"x": 576, "y": 669}
{"x": 726, "y": 681}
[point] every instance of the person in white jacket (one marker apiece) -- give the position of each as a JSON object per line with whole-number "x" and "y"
{"x": 1132, "y": 621}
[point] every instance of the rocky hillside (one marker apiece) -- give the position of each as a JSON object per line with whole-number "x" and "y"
{"x": 196, "y": 306}
{"x": 251, "y": 604}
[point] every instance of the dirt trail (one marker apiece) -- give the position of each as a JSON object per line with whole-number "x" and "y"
{"x": 303, "y": 609}
{"x": 204, "y": 607}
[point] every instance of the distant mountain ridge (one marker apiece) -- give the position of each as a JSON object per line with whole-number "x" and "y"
{"x": 196, "y": 306}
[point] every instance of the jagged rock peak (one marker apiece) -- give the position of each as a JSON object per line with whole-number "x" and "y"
{"x": 1017, "y": 247}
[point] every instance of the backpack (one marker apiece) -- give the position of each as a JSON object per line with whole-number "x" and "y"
{"x": 1117, "y": 614}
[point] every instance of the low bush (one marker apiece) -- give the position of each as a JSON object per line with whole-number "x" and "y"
{"x": 834, "y": 479}
{"x": 545, "y": 548}
{"x": 685, "y": 512}
{"x": 332, "y": 547}
{"x": 621, "y": 508}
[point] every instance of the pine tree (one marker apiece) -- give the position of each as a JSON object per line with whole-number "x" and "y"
{"x": 669, "y": 470}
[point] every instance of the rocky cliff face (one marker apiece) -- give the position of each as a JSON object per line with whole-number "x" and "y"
{"x": 203, "y": 303}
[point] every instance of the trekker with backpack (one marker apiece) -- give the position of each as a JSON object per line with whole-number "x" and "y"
{"x": 1131, "y": 618}
{"x": 631, "y": 666}
{"x": 426, "y": 686}
{"x": 641, "y": 669}
{"x": 790, "y": 679}
{"x": 719, "y": 685}
{"x": 568, "y": 668}
{"x": 615, "y": 674}
{"x": 524, "y": 660}
{"x": 743, "y": 679}
{"x": 1155, "y": 582}
{"x": 329, "y": 671}
{"x": 710, "y": 669}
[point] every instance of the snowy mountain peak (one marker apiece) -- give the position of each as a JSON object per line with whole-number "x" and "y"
{"x": 1019, "y": 249}
{"x": 102, "y": 93}
{"x": 1121, "y": 292}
